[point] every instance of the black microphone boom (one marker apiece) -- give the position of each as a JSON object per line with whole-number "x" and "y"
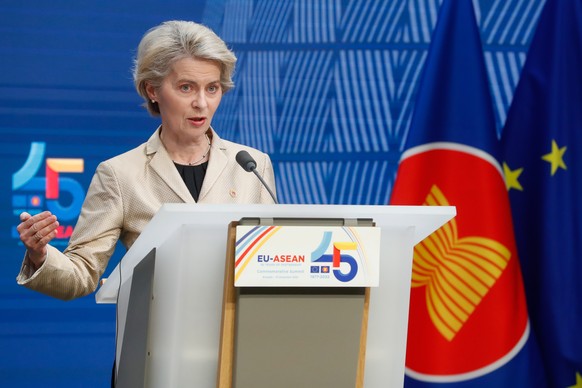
{"x": 246, "y": 161}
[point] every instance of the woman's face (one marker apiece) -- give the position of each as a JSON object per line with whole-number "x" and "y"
{"x": 188, "y": 98}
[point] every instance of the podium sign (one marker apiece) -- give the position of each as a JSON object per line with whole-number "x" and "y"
{"x": 306, "y": 256}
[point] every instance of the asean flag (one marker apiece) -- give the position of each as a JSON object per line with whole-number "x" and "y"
{"x": 468, "y": 320}
{"x": 468, "y": 314}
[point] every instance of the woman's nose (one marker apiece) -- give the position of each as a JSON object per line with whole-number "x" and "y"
{"x": 199, "y": 101}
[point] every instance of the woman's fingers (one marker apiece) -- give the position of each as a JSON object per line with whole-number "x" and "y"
{"x": 36, "y": 232}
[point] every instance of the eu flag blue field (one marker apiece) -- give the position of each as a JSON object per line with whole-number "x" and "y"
{"x": 542, "y": 140}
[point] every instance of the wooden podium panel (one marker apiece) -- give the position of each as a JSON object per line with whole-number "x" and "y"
{"x": 290, "y": 337}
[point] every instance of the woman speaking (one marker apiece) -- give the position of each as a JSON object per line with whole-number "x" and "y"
{"x": 182, "y": 70}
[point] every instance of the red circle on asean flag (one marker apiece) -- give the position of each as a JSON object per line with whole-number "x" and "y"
{"x": 469, "y": 180}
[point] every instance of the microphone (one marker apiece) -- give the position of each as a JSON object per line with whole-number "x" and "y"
{"x": 246, "y": 161}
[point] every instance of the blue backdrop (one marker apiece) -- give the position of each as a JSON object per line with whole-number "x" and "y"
{"x": 327, "y": 88}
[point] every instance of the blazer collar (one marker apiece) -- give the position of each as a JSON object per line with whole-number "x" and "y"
{"x": 164, "y": 167}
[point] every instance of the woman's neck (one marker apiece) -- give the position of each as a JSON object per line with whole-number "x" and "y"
{"x": 186, "y": 152}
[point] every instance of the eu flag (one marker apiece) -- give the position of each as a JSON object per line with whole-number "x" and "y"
{"x": 468, "y": 321}
{"x": 542, "y": 144}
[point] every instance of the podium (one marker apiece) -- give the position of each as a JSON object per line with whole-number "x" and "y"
{"x": 169, "y": 290}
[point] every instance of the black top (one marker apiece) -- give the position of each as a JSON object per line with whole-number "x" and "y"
{"x": 193, "y": 177}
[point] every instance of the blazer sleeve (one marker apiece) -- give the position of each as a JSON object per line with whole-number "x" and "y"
{"x": 76, "y": 271}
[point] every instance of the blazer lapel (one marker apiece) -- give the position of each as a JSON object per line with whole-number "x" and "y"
{"x": 216, "y": 165}
{"x": 165, "y": 169}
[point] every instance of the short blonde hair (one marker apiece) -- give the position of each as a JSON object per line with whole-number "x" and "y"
{"x": 171, "y": 41}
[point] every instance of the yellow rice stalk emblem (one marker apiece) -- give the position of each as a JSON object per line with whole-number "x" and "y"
{"x": 457, "y": 272}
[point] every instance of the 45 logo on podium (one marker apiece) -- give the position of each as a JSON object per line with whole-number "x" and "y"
{"x": 35, "y": 194}
{"x": 336, "y": 258}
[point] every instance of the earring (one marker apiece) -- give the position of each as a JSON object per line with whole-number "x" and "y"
{"x": 153, "y": 101}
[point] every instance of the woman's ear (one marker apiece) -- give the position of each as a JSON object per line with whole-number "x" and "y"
{"x": 151, "y": 91}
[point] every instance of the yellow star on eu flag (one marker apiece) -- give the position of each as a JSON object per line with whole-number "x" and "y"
{"x": 578, "y": 381}
{"x": 511, "y": 177}
{"x": 556, "y": 157}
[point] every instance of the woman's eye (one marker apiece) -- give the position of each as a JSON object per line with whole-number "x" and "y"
{"x": 185, "y": 88}
{"x": 213, "y": 89}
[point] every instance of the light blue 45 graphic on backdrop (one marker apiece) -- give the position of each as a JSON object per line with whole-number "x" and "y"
{"x": 33, "y": 194}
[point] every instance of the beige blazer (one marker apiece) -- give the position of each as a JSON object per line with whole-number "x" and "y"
{"x": 125, "y": 193}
